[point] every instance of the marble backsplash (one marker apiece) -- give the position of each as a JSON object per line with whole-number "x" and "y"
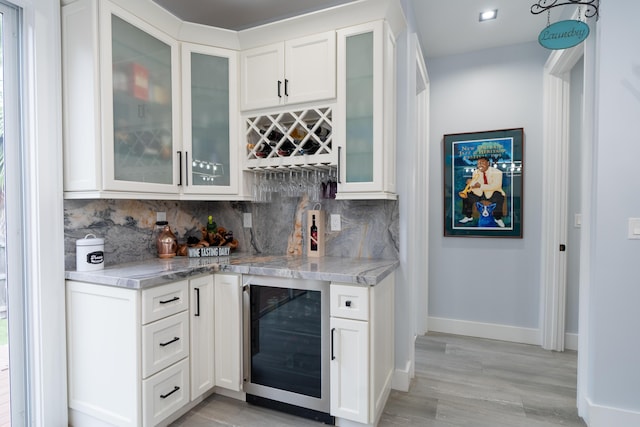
{"x": 370, "y": 228}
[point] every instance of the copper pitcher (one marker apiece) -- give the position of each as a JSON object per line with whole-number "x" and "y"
{"x": 167, "y": 243}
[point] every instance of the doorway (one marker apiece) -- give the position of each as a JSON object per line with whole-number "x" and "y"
{"x": 557, "y": 122}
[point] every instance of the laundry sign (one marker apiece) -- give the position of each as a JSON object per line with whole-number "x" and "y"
{"x": 563, "y": 34}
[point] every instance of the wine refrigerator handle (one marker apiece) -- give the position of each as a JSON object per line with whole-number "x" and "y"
{"x": 179, "y": 168}
{"x": 339, "y": 164}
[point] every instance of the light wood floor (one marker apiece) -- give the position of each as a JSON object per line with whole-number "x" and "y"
{"x": 460, "y": 381}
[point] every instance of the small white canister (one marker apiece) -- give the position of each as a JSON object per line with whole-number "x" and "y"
{"x": 89, "y": 253}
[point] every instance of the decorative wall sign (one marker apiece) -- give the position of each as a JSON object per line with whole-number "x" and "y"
{"x": 483, "y": 183}
{"x": 563, "y": 34}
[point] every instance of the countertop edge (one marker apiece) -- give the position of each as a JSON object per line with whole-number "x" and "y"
{"x": 150, "y": 273}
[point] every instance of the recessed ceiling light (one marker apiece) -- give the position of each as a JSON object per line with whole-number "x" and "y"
{"x": 488, "y": 15}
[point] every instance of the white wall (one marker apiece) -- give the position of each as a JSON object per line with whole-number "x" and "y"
{"x": 575, "y": 199}
{"x": 608, "y": 370}
{"x": 487, "y": 280}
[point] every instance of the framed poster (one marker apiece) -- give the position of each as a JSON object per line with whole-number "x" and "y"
{"x": 483, "y": 183}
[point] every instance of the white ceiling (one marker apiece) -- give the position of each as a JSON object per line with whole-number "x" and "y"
{"x": 445, "y": 27}
{"x": 242, "y": 14}
{"x": 448, "y": 27}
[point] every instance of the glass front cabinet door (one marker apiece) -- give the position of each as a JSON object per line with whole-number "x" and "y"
{"x": 366, "y": 90}
{"x": 209, "y": 114}
{"x": 141, "y": 106}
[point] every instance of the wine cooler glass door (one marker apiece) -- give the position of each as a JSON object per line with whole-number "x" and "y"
{"x": 287, "y": 339}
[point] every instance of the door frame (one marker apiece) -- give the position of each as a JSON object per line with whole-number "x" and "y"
{"x": 553, "y": 272}
{"x": 421, "y": 171}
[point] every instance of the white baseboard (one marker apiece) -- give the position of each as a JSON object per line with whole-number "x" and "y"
{"x": 485, "y": 330}
{"x": 571, "y": 341}
{"x": 607, "y": 416}
{"x": 402, "y": 378}
{"x": 495, "y": 331}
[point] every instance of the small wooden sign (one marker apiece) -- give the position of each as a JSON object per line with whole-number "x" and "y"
{"x": 209, "y": 251}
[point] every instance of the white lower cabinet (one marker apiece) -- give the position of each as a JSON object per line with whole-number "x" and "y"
{"x": 228, "y": 331}
{"x": 362, "y": 351}
{"x": 128, "y": 353}
{"x": 201, "y": 320}
{"x": 165, "y": 392}
{"x": 350, "y": 369}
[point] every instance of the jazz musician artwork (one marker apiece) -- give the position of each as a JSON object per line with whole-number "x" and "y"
{"x": 482, "y": 176}
{"x": 483, "y": 192}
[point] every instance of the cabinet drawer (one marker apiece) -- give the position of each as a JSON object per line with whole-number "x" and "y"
{"x": 165, "y": 300}
{"x": 350, "y": 302}
{"x": 164, "y": 342}
{"x": 165, "y": 393}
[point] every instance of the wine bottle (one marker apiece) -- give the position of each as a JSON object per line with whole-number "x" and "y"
{"x": 212, "y": 227}
{"x": 314, "y": 234}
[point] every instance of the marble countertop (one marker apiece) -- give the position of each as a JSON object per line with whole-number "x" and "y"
{"x": 153, "y": 272}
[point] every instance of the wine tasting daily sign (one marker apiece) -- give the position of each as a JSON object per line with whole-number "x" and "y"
{"x": 483, "y": 183}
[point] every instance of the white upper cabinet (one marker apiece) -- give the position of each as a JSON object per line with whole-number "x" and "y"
{"x": 209, "y": 114}
{"x": 365, "y": 122}
{"x": 290, "y": 72}
{"x": 141, "y": 119}
{"x": 121, "y": 101}
{"x": 140, "y": 88}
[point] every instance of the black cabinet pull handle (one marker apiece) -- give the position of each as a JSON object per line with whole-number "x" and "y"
{"x": 348, "y": 303}
{"x": 170, "y": 300}
{"x": 197, "y": 313}
{"x": 164, "y": 344}
{"x": 286, "y": 87}
{"x": 179, "y": 168}
{"x": 332, "y": 355}
{"x": 164, "y": 396}
{"x": 279, "y": 86}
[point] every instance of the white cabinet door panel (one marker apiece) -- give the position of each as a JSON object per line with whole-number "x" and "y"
{"x": 228, "y": 331}
{"x": 350, "y": 369}
{"x": 310, "y": 68}
{"x": 262, "y": 80}
{"x": 201, "y": 340}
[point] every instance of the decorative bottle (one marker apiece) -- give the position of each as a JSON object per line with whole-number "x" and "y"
{"x": 167, "y": 243}
{"x": 212, "y": 227}
{"x": 314, "y": 234}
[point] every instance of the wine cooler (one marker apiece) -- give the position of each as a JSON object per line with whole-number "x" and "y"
{"x": 286, "y": 345}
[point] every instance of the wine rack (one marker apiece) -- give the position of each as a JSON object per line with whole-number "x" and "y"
{"x": 302, "y": 138}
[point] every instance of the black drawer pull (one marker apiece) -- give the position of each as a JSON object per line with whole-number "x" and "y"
{"x": 164, "y": 344}
{"x": 164, "y": 396}
{"x": 170, "y": 300}
{"x": 347, "y": 303}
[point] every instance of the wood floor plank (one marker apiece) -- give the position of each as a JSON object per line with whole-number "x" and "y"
{"x": 460, "y": 382}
